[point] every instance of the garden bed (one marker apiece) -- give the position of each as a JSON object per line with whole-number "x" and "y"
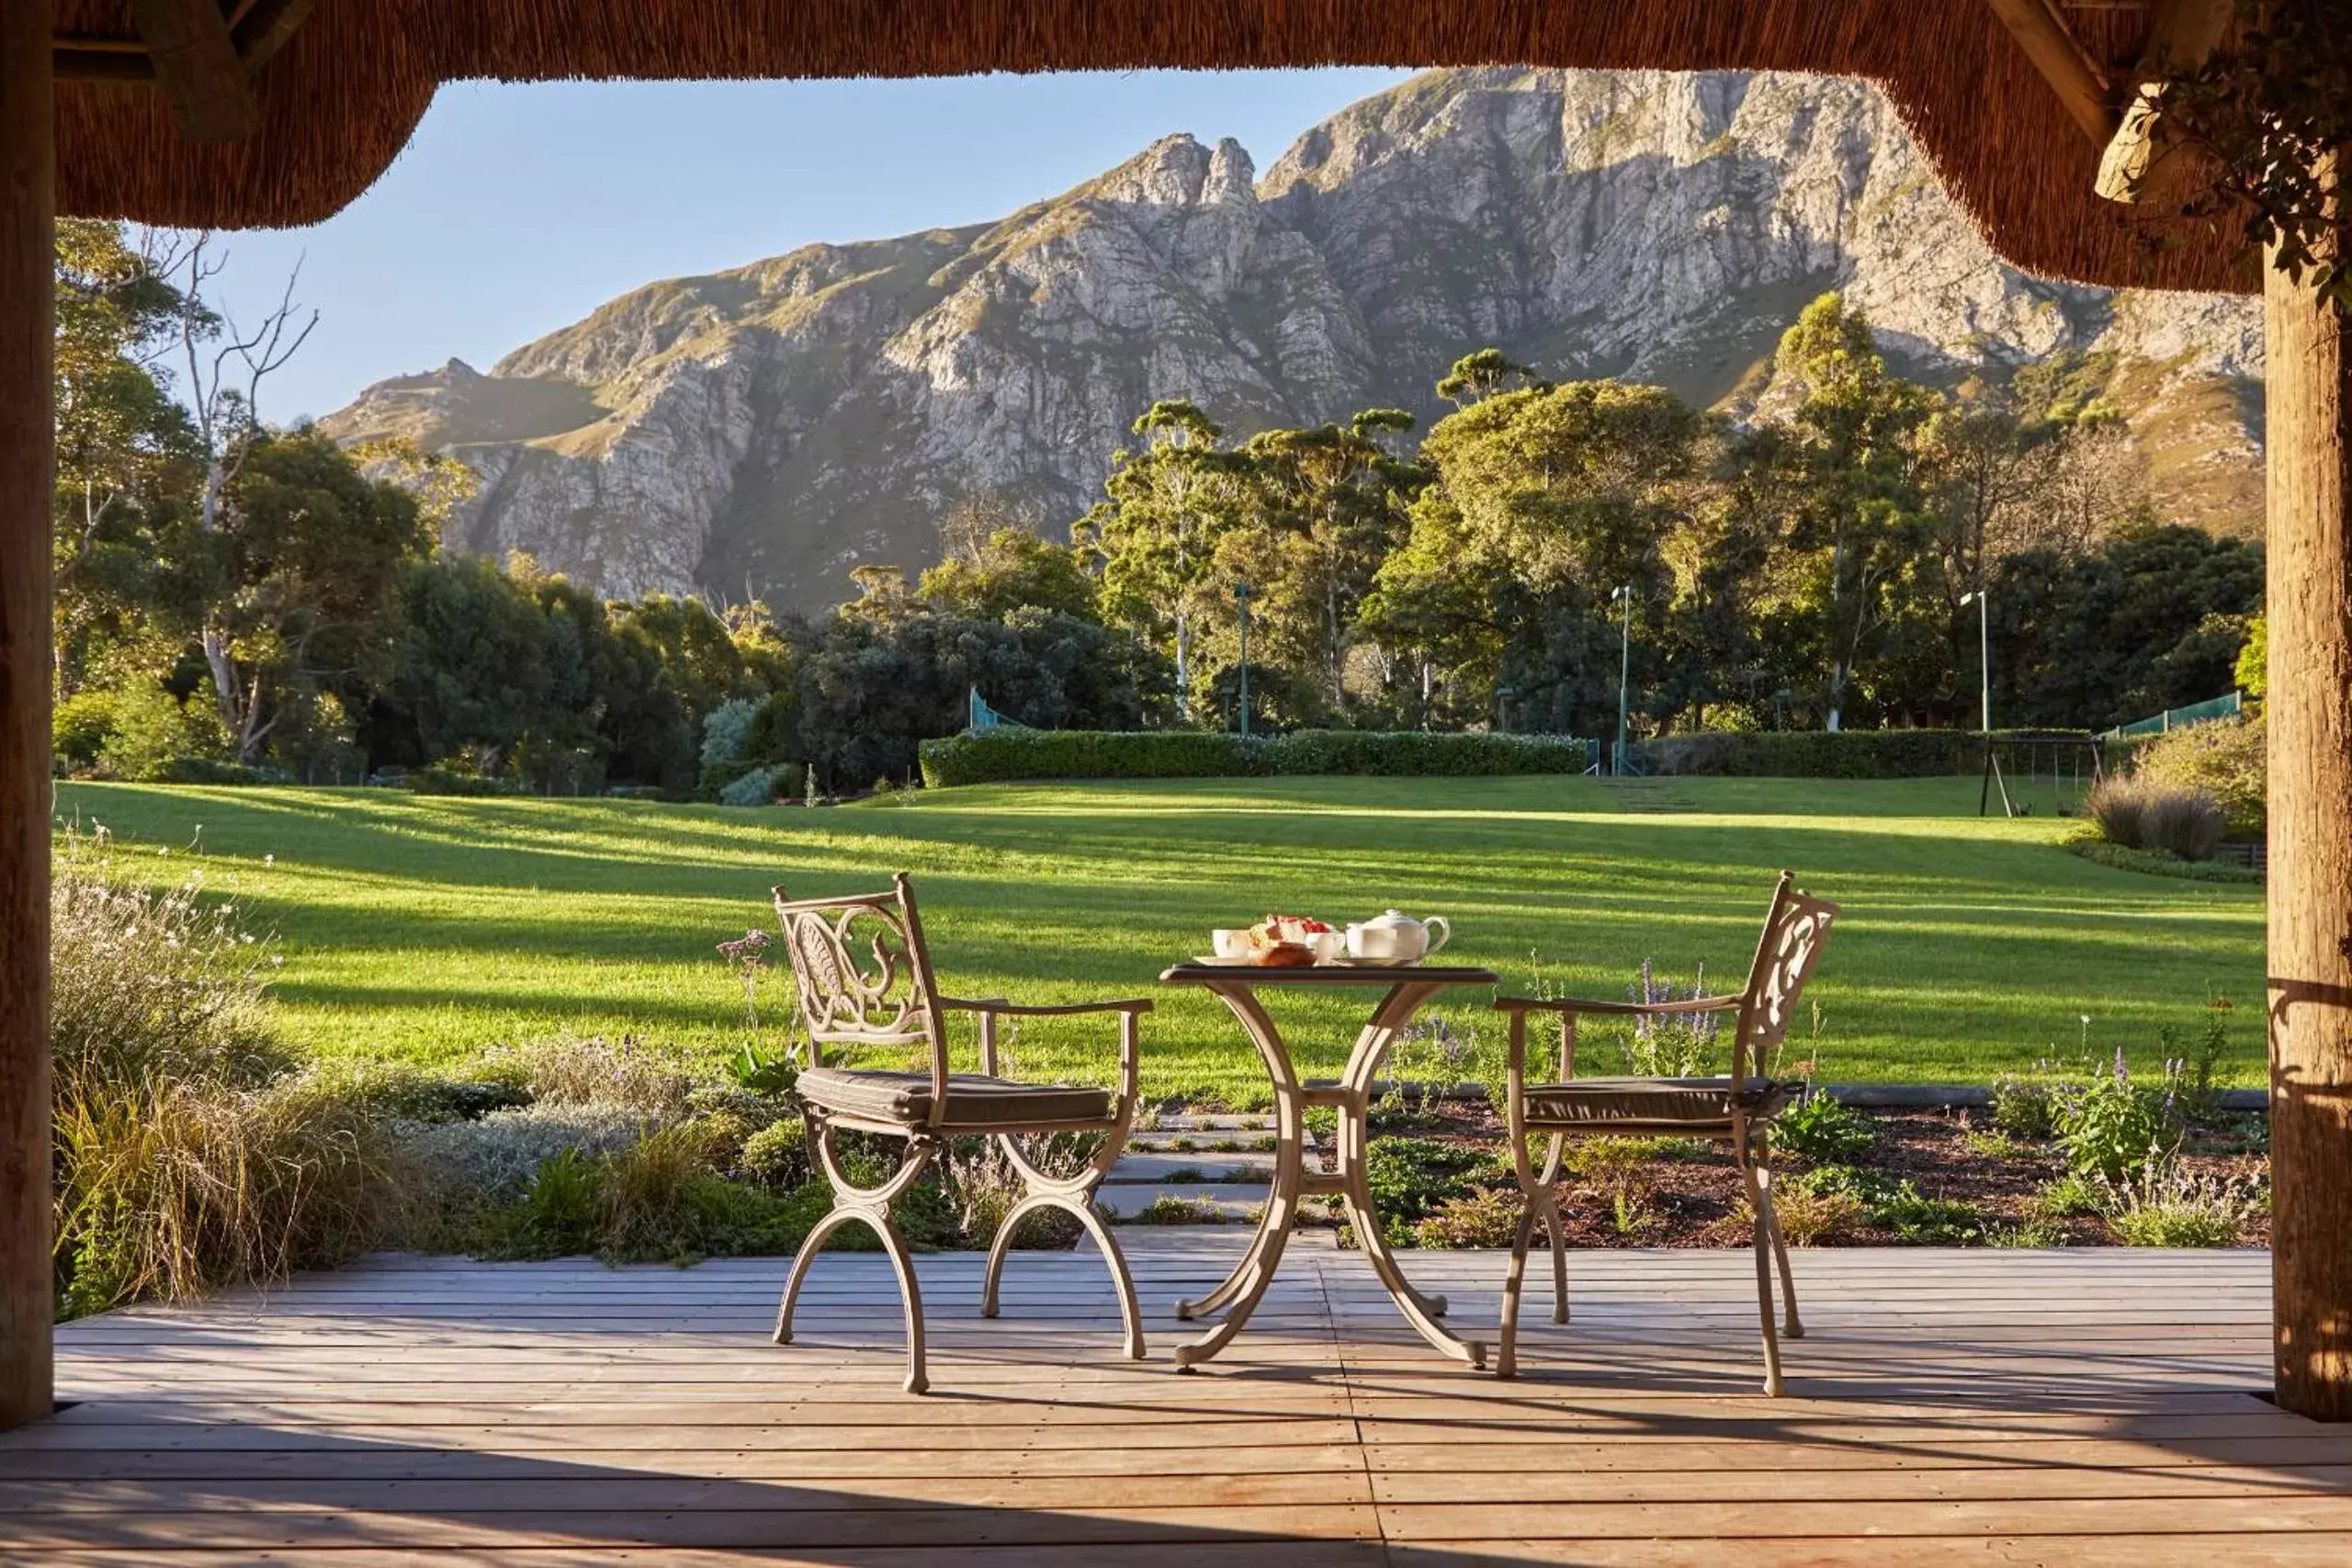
{"x": 1912, "y": 1178}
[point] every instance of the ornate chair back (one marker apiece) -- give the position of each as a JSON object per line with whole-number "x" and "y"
{"x": 1796, "y": 931}
{"x": 864, "y": 976}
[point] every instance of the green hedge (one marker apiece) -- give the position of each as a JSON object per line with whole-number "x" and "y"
{"x": 213, "y": 771}
{"x": 1819, "y": 754}
{"x": 1001, "y": 755}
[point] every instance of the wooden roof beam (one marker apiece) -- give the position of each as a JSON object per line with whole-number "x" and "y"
{"x": 262, "y": 30}
{"x": 2136, "y": 166}
{"x": 259, "y": 28}
{"x": 2079, "y": 82}
{"x": 197, "y": 65}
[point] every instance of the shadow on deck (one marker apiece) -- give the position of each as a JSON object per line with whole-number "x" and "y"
{"x": 1995, "y": 1406}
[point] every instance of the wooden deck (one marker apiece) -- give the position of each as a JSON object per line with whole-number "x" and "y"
{"x": 1986, "y": 1408}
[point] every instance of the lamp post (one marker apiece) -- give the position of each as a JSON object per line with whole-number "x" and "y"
{"x": 1241, "y": 597}
{"x": 1625, "y": 675}
{"x": 1983, "y": 654}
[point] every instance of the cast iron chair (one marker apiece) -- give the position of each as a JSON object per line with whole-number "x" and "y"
{"x": 1737, "y": 1110}
{"x": 864, "y": 980}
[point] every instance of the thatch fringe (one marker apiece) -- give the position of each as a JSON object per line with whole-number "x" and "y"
{"x": 343, "y": 97}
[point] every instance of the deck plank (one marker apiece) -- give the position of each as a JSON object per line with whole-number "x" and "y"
{"x": 1999, "y": 1407}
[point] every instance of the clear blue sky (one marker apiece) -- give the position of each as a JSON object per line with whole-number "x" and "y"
{"x": 518, "y": 210}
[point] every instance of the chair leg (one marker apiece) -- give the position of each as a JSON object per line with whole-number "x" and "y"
{"x": 1559, "y": 1228}
{"x": 1773, "y": 1385}
{"x": 1792, "y": 1326}
{"x": 871, "y": 1208}
{"x": 1507, "y": 1336}
{"x": 1083, "y": 1211}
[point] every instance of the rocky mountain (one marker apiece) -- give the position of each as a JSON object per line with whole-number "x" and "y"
{"x": 766, "y": 428}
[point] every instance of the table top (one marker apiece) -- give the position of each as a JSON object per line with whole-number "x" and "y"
{"x": 1327, "y": 974}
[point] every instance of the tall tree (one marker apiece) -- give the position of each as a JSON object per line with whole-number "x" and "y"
{"x": 299, "y": 576}
{"x": 1168, "y": 499}
{"x": 126, "y": 451}
{"x": 1325, "y": 506}
{"x": 1860, "y": 513}
{"x": 1011, "y": 568}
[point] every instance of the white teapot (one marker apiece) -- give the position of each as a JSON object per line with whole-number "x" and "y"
{"x": 1398, "y": 937}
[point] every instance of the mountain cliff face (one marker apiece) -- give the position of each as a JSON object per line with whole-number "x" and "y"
{"x": 760, "y": 430}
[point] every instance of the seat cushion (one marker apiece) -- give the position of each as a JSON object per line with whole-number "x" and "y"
{"x": 1637, "y": 1104}
{"x": 972, "y": 1100}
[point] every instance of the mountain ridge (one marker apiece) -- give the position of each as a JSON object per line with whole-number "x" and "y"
{"x": 760, "y": 430}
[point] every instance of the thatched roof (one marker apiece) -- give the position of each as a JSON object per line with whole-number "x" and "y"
{"x": 342, "y": 95}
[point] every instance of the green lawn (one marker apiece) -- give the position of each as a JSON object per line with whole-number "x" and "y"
{"x": 425, "y": 929}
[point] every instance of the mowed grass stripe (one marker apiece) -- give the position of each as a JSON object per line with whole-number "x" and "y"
{"x": 427, "y": 928}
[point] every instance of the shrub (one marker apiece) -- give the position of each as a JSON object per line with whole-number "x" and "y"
{"x": 1475, "y": 1219}
{"x": 589, "y": 1070}
{"x": 1859, "y": 1185}
{"x": 655, "y": 1199}
{"x": 984, "y": 1186}
{"x": 1619, "y": 1169}
{"x": 2031, "y": 1233}
{"x": 153, "y": 728}
{"x": 2161, "y": 863}
{"x": 1821, "y": 1127}
{"x": 1926, "y": 1222}
{"x": 2140, "y": 814}
{"x": 1995, "y": 1145}
{"x": 2117, "y": 806}
{"x": 777, "y": 1155}
{"x": 2226, "y": 760}
{"x": 1817, "y": 754}
{"x": 1807, "y": 1217}
{"x": 1409, "y": 1177}
{"x": 756, "y": 786}
{"x": 2066, "y": 1197}
{"x": 2188, "y": 823}
{"x": 213, "y": 770}
{"x": 147, "y": 984}
{"x": 1166, "y": 1210}
{"x": 1671, "y": 1046}
{"x": 2112, "y": 1124}
{"x": 726, "y": 731}
{"x": 79, "y": 725}
{"x": 2025, "y": 1107}
{"x": 173, "y": 1186}
{"x": 452, "y": 777}
{"x": 1003, "y": 755}
{"x": 462, "y": 1166}
{"x": 189, "y": 1156}
{"x": 401, "y": 1093}
{"x": 2167, "y": 1205}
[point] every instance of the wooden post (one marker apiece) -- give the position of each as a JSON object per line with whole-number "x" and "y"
{"x": 2309, "y": 396}
{"x": 28, "y": 207}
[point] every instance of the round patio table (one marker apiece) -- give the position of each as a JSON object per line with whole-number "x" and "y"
{"x": 1406, "y": 989}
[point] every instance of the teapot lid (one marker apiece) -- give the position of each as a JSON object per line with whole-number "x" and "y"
{"x": 1393, "y": 918}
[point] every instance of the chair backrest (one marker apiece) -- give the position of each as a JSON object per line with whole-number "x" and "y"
{"x": 1796, "y": 929}
{"x": 864, "y": 974}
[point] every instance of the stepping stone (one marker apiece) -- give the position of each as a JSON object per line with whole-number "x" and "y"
{"x": 1236, "y": 1202}
{"x": 1160, "y": 1167}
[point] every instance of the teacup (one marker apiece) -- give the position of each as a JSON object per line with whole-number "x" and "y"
{"x": 1330, "y": 946}
{"x": 1230, "y": 943}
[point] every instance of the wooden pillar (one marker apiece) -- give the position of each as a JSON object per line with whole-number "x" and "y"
{"x": 2309, "y": 398}
{"x": 28, "y": 206}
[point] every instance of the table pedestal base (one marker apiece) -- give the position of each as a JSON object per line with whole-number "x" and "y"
{"x": 1241, "y": 1290}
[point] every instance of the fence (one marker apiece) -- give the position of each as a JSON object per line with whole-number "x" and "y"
{"x": 2228, "y": 706}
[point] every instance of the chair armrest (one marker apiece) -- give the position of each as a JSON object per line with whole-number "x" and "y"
{"x": 1130, "y": 1011}
{"x": 1625, "y": 1010}
{"x": 1063, "y": 1009}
